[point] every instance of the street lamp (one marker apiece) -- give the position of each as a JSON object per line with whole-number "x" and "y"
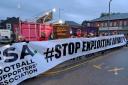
{"x": 109, "y": 14}
{"x": 54, "y": 9}
{"x": 60, "y": 10}
{"x": 19, "y": 9}
{"x": 60, "y": 21}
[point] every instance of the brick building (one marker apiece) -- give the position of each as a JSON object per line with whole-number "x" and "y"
{"x": 73, "y": 26}
{"x": 117, "y": 22}
{"x": 7, "y": 24}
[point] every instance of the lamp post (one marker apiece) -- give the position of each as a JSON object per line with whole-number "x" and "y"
{"x": 60, "y": 12}
{"x": 109, "y": 14}
{"x": 19, "y": 22}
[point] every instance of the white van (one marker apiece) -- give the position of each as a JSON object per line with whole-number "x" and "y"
{"x": 5, "y": 35}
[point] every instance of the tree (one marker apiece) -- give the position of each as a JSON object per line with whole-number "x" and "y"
{"x": 104, "y": 14}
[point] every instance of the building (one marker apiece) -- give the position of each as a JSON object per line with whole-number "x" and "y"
{"x": 73, "y": 26}
{"x": 116, "y": 22}
{"x": 84, "y": 30}
{"x": 7, "y": 24}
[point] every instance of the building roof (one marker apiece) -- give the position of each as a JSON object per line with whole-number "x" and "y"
{"x": 115, "y": 16}
{"x": 72, "y": 23}
{"x": 10, "y": 20}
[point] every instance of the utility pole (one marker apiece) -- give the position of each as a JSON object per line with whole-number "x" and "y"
{"x": 109, "y": 16}
{"x": 59, "y": 13}
{"x": 60, "y": 10}
{"x": 19, "y": 7}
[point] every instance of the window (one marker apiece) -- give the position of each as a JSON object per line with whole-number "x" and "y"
{"x": 102, "y": 24}
{"x": 121, "y": 24}
{"x": 110, "y": 24}
{"x": 88, "y": 24}
{"x": 115, "y": 24}
{"x": 125, "y": 23}
{"x": 106, "y": 24}
{"x": 8, "y": 26}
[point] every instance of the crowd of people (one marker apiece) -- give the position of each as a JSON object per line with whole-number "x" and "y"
{"x": 85, "y": 35}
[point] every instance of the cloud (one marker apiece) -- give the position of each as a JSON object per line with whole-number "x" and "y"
{"x": 76, "y": 10}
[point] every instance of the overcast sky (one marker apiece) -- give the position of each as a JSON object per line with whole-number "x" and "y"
{"x": 71, "y": 10}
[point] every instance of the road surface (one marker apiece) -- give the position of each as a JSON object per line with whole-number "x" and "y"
{"x": 108, "y": 69}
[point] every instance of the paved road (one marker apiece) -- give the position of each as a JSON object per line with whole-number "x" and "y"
{"x": 109, "y": 69}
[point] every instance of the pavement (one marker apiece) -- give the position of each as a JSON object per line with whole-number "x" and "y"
{"x": 108, "y": 69}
